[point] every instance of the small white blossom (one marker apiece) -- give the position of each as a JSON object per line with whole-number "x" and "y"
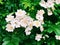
{"x": 28, "y": 29}
{"x": 39, "y": 17}
{"x": 57, "y": 1}
{"x": 43, "y": 4}
{"x": 49, "y": 12}
{"x": 40, "y": 12}
{"x": 20, "y": 12}
{"x": 38, "y": 37}
{"x": 30, "y": 25}
{"x": 51, "y": 0}
{"x": 49, "y": 4}
{"x": 9, "y": 17}
{"x": 15, "y": 23}
{"x": 36, "y": 24}
{"x": 41, "y": 28}
{"x": 28, "y": 33}
{"x": 10, "y": 28}
{"x": 20, "y": 18}
{"x": 24, "y": 22}
{"x": 57, "y": 37}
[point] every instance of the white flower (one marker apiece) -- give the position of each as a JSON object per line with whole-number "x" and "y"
{"x": 20, "y": 12}
{"x": 15, "y": 23}
{"x": 57, "y": 37}
{"x": 40, "y": 12}
{"x": 10, "y": 28}
{"x": 51, "y": 0}
{"x": 30, "y": 25}
{"x": 24, "y": 22}
{"x": 41, "y": 28}
{"x": 43, "y": 4}
{"x": 39, "y": 17}
{"x": 9, "y": 17}
{"x": 29, "y": 19}
{"x": 36, "y": 23}
{"x": 28, "y": 33}
{"x": 49, "y": 12}
{"x": 50, "y": 4}
{"x": 28, "y": 30}
{"x": 20, "y": 18}
{"x": 57, "y": 1}
{"x": 38, "y": 37}
{"x": 30, "y": 22}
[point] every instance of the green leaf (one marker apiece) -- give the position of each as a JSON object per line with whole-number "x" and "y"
{"x": 5, "y": 43}
{"x": 57, "y": 31}
{"x": 50, "y": 30}
{"x": 55, "y": 28}
{"x": 6, "y": 39}
{"x": 11, "y": 40}
{"x": 1, "y": 2}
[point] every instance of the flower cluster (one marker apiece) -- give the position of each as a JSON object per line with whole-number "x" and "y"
{"x": 23, "y": 20}
{"x": 40, "y": 18}
{"x": 49, "y": 4}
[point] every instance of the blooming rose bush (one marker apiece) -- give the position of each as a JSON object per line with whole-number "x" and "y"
{"x": 30, "y": 22}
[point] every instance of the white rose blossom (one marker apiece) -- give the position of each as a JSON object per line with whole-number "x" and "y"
{"x": 49, "y": 12}
{"x": 9, "y": 17}
{"x": 43, "y": 3}
{"x": 20, "y": 12}
{"x": 28, "y": 30}
{"x": 50, "y": 4}
{"x": 40, "y": 12}
{"x": 28, "y": 33}
{"x": 36, "y": 24}
{"x": 57, "y": 37}
{"x": 57, "y": 1}
{"x": 16, "y": 23}
{"x": 38, "y": 37}
{"x": 24, "y": 22}
{"x": 39, "y": 15}
{"x": 10, "y": 28}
